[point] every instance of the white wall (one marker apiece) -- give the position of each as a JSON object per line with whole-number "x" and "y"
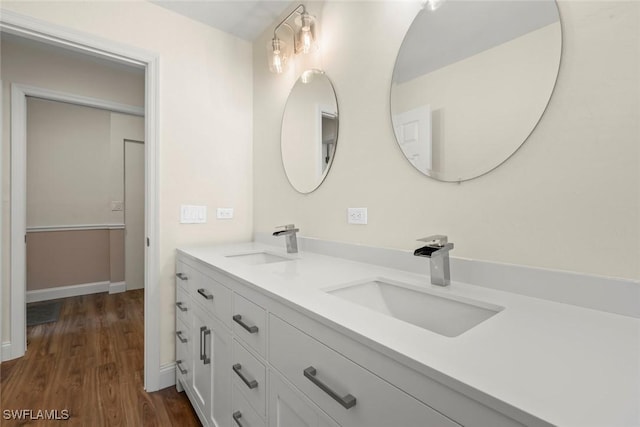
{"x": 205, "y": 121}
{"x": 68, "y": 168}
{"x": 568, "y": 199}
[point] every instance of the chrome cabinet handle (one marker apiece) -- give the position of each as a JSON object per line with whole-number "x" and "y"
{"x": 181, "y": 306}
{"x": 181, "y": 337}
{"x": 236, "y": 417}
{"x": 251, "y": 384}
{"x": 202, "y": 329}
{"x": 205, "y": 294}
{"x": 179, "y": 365}
{"x": 205, "y": 359}
{"x": 347, "y": 401}
{"x": 182, "y": 276}
{"x": 251, "y": 329}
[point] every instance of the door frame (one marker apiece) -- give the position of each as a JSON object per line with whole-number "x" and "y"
{"x": 46, "y": 32}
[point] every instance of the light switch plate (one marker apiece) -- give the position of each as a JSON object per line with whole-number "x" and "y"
{"x": 357, "y": 216}
{"x": 193, "y": 214}
{"x": 224, "y": 213}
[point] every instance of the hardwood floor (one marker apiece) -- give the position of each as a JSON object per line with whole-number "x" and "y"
{"x": 90, "y": 363}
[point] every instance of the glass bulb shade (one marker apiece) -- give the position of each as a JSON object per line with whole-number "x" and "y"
{"x": 306, "y": 35}
{"x": 277, "y": 55}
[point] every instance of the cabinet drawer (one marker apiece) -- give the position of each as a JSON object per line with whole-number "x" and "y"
{"x": 250, "y": 377}
{"x": 350, "y": 394}
{"x": 250, "y": 323}
{"x": 243, "y": 414}
{"x": 212, "y": 296}
{"x": 183, "y": 305}
{"x": 288, "y": 407}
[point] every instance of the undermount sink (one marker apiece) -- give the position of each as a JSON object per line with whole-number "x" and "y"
{"x": 446, "y": 315}
{"x": 255, "y": 258}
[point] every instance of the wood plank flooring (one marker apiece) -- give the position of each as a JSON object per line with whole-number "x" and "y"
{"x": 90, "y": 362}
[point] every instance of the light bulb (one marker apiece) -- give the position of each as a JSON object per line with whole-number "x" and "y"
{"x": 306, "y": 40}
{"x": 277, "y": 56}
{"x": 306, "y": 37}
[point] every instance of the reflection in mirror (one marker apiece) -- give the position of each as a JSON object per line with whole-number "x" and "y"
{"x": 309, "y": 131}
{"x": 471, "y": 81}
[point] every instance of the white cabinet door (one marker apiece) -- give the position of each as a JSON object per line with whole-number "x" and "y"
{"x": 211, "y": 380}
{"x": 221, "y": 373}
{"x": 288, "y": 407}
{"x": 202, "y": 368}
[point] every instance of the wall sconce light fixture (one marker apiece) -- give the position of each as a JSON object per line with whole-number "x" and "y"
{"x": 304, "y": 39}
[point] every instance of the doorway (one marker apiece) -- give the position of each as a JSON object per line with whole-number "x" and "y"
{"x": 118, "y": 53}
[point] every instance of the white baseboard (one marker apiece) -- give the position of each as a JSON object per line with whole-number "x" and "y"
{"x": 117, "y": 287}
{"x": 167, "y": 375}
{"x": 75, "y": 290}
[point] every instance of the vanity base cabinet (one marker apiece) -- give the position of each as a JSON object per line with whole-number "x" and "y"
{"x": 272, "y": 364}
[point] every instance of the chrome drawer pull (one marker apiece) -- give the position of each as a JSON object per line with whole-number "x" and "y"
{"x": 236, "y": 417}
{"x": 181, "y": 306}
{"x": 347, "y": 401}
{"x": 251, "y": 329}
{"x": 205, "y": 360}
{"x": 179, "y": 365}
{"x": 202, "y": 329}
{"x": 251, "y": 384}
{"x": 181, "y": 337}
{"x": 205, "y": 294}
{"x": 182, "y": 276}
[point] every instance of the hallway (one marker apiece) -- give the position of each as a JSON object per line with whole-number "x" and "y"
{"x": 90, "y": 363}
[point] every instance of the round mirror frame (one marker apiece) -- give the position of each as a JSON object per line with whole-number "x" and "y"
{"x": 441, "y": 176}
{"x": 285, "y": 146}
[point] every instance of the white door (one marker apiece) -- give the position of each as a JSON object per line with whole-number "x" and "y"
{"x": 413, "y": 130}
{"x": 134, "y": 240}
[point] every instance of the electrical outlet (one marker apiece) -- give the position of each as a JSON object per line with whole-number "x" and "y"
{"x": 357, "y": 215}
{"x": 224, "y": 213}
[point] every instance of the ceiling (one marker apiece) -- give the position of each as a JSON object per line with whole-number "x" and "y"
{"x": 246, "y": 19}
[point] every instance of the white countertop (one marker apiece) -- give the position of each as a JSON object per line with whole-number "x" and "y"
{"x": 564, "y": 364}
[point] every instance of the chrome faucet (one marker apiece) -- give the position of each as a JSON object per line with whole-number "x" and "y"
{"x": 289, "y": 231}
{"x": 437, "y": 250}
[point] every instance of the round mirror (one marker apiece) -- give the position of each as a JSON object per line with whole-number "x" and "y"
{"x": 309, "y": 131}
{"x": 471, "y": 81}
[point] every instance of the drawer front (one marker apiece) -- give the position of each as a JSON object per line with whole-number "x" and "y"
{"x": 183, "y": 307}
{"x": 350, "y": 394}
{"x": 184, "y": 361}
{"x": 288, "y": 407}
{"x": 243, "y": 414}
{"x": 250, "y": 323}
{"x": 250, "y": 377}
{"x": 214, "y": 297}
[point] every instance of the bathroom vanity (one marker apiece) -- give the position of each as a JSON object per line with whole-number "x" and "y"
{"x": 266, "y": 338}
